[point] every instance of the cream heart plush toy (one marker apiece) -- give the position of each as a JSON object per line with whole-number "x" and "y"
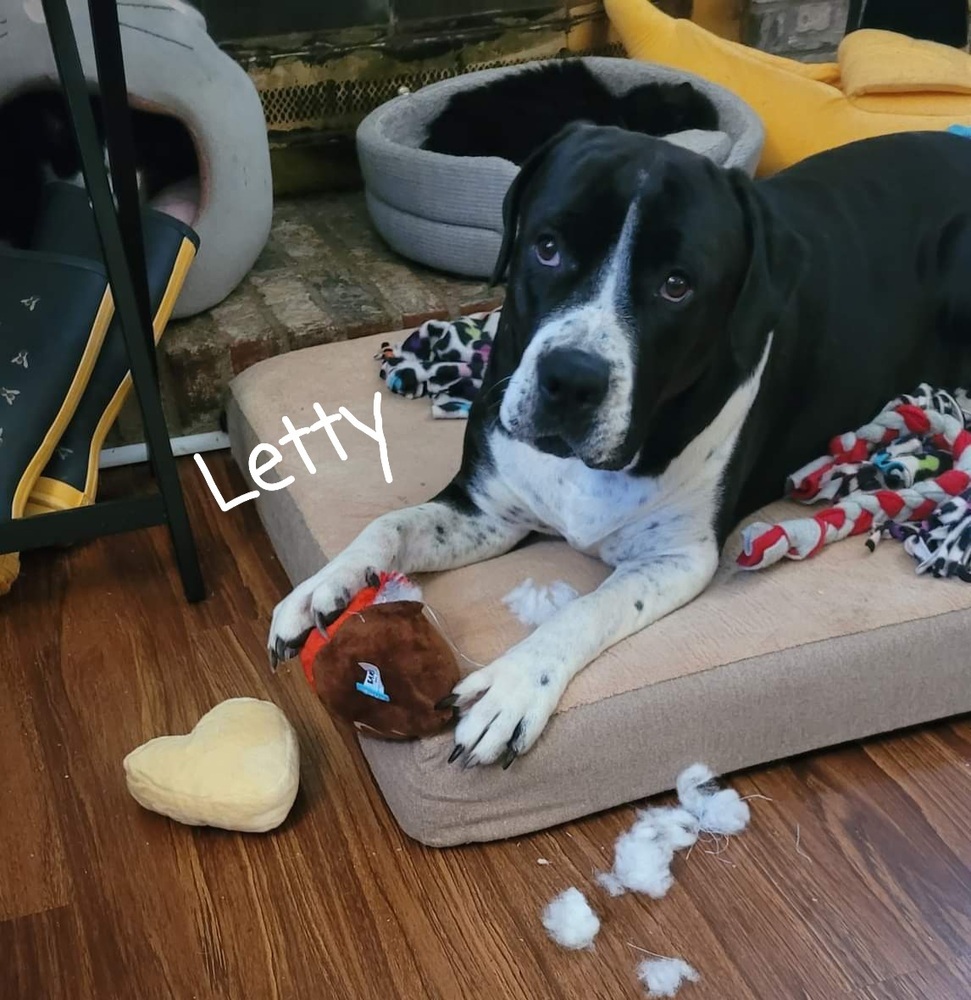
{"x": 237, "y": 770}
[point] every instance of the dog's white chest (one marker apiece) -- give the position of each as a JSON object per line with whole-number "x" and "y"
{"x": 616, "y": 515}
{"x": 586, "y": 506}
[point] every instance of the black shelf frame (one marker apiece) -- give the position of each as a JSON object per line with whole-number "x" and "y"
{"x": 120, "y": 234}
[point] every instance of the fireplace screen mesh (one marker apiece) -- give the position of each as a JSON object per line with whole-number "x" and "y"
{"x": 329, "y": 104}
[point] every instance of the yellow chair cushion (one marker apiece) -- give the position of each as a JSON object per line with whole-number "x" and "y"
{"x": 802, "y": 105}
{"x": 882, "y": 62}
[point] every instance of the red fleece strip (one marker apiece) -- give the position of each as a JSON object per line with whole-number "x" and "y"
{"x": 953, "y": 482}
{"x": 760, "y": 546}
{"x": 915, "y": 418}
{"x": 924, "y": 510}
{"x": 832, "y": 517}
{"x": 961, "y": 444}
{"x": 891, "y": 503}
{"x": 810, "y": 486}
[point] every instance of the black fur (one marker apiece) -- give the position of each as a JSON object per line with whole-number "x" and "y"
{"x": 35, "y": 130}
{"x": 943, "y": 21}
{"x": 515, "y": 114}
{"x": 856, "y": 261}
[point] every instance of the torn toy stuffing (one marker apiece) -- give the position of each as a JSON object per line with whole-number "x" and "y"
{"x": 643, "y": 855}
{"x": 533, "y": 604}
{"x": 663, "y": 976}
{"x": 718, "y": 810}
{"x": 570, "y": 921}
{"x": 394, "y": 586}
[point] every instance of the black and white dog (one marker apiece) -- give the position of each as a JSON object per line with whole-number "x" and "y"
{"x": 676, "y": 340}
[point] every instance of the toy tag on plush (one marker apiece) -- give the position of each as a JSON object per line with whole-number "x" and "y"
{"x": 384, "y": 665}
{"x": 372, "y": 685}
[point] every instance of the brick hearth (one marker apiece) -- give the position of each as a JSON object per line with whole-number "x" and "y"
{"x": 324, "y": 276}
{"x": 802, "y": 30}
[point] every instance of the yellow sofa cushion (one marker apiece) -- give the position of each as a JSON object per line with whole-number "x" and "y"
{"x": 882, "y": 62}
{"x": 802, "y": 105}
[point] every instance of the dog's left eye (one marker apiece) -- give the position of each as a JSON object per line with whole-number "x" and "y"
{"x": 547, "y": 252}
{"x": 676, "y": 287}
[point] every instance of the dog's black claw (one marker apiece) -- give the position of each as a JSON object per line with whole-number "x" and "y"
{"x": 324, "y": 622}
{"x": 447, "y": 702}
{"x": 274, "y": 660}
{"x": 280, "y": 650}
{"x": 484, "y": 731}
{"x": 511, "y": 752}
{"x": 456, "y": 753}
{"x": 372, "y": 578}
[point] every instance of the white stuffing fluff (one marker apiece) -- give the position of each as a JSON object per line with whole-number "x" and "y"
{"x": 643, "y": 855}
{"x": 533, "y": 604}
{"x": 570, "y": 921}
{"x": 718, "y": 810}
{"x": 398, "y": 588}
{"x": 663, "y": 976}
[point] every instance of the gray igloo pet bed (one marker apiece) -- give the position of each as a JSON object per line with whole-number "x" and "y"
{"x": 446, "y": 211}
{"x": 179, "y": 77}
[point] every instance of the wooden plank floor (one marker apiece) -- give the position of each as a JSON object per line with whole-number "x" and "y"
{"x": 99, "y": 898}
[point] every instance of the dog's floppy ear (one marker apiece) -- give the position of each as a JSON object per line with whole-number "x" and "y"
{"x": 512, "y": 203}
{"x": 778, "y": 258}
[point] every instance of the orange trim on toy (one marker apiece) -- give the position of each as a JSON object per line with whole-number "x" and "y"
{"x": 316, "y": 641}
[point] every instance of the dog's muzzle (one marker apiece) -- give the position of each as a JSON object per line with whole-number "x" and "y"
{"x": 572, "y": 386}
{"x": 571, "y": 394}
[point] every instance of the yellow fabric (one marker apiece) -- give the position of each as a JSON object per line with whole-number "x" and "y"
{"x": 722, "y": 17}
{"x": 9, "y": 570}
{"x": 49, "y": 495}
{"x": 802, "y": 105}
{"x": 882, "y": 62}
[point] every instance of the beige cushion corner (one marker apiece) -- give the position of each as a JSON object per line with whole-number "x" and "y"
{"x": 761, "y": 666}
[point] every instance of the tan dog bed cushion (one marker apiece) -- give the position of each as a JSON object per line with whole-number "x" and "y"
{"x": 760, "y": 667}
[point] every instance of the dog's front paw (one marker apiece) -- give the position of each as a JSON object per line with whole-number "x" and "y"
{"x": 504, "y": 709}
{"x": 315, "y": 602}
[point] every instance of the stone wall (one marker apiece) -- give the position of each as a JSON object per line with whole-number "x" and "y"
{"x": 803, "y": 29}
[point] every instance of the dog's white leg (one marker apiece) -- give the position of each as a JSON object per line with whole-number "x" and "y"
{"x": 508, "y": 703}
{"x": 427, "y": 538}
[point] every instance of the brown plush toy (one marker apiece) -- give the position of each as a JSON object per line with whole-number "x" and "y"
{"x": 384, "y": 665}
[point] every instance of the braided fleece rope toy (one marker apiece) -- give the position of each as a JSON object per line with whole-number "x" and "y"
{"x": 943, "y": 503}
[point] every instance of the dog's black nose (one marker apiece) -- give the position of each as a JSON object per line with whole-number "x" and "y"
{"x": 572, "y": 380}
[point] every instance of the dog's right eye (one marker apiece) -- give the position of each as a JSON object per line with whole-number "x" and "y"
{"x": 547, "y": 252}
{"x": 676, "y": 287}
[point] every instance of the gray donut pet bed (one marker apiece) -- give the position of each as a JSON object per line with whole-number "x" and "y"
{"x": 446, "y": 211}
{"x": 173, "y": 67}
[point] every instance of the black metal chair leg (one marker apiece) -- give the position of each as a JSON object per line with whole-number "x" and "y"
{"x": 121, "y": 244}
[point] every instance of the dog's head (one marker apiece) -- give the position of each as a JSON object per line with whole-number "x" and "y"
{"x": 638, "y": 271}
